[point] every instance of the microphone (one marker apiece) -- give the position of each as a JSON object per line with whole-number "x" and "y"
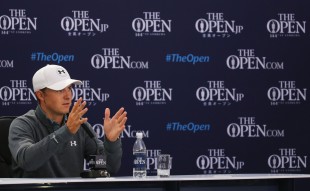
{"x": 97, "y": 163}
{"x": 90, "y": 134}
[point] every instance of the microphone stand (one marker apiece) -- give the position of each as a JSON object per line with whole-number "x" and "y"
{"x": 97, "y": 163}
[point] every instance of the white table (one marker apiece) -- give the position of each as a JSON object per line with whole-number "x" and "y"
{"x": 175, "y": 182}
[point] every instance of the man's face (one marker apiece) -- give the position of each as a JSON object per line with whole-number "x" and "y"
{"x": 56, "y": 102}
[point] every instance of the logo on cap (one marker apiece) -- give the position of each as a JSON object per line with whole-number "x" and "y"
{"x": 61, "y": 72}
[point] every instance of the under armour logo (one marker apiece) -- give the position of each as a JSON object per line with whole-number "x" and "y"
{"x": 73, "y": 143}
{"x": 61, "y": 71}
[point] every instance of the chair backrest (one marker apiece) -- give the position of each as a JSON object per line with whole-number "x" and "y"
{"x": 5, "y": 154}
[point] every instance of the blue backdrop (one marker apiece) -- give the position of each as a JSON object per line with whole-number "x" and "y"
{"x": 220, "y": 85}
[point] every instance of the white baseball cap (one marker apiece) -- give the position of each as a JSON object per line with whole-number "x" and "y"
{"x": 54, "y": 77}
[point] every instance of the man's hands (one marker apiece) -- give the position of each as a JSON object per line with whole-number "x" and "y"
{"x": 75, "y": 119}
{"x": 112, "y": 126}
{"x": 115, "y": 125}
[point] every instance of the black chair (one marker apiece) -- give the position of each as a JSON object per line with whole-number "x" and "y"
{"x": 5, "y": 154}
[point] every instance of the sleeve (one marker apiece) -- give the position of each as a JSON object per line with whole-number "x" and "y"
{"x": 25, "y": 150}
{"x": 114, "y": 153}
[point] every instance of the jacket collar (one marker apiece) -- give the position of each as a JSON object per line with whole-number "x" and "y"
{"x": 46, "y": 121}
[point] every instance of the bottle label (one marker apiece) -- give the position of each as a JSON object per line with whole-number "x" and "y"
{"x": 139, "y": 162}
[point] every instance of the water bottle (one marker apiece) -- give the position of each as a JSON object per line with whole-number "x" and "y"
{"x": 139, "y": 154}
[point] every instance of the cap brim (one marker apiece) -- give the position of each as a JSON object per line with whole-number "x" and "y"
{"x": 63, "y": 84}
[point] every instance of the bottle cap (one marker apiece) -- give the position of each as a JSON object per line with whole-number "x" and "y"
{"x": 139, "y": 135}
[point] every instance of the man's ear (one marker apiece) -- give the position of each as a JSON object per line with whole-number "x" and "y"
{"x": 39, "y": 95}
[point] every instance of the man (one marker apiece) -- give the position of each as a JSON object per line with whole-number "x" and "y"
{"x": 50, "y": 142}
